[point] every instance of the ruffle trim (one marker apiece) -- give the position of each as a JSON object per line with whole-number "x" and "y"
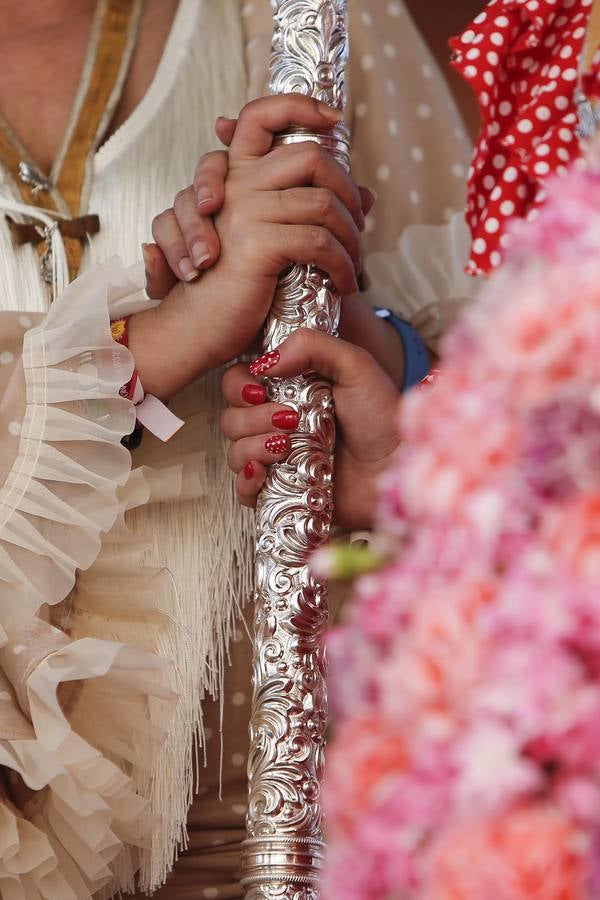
{"x": 87, "y": 721}
{"x": 61, "y": 492}
{"x": 81, "y": 833}
{"x": 424, "y": 279}
{"x": 519, "y": 40}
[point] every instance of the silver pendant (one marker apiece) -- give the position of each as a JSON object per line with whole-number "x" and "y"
{"x": 29, "y": 175}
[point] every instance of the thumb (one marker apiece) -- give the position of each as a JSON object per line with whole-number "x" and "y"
{"x": 306, "y": 350}
{"x": 225, "y": 129}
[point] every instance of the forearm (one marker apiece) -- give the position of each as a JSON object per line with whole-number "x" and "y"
{"x": 170, "y": 346}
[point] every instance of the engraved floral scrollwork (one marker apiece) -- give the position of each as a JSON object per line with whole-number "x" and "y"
{"x": 284, "y": 851}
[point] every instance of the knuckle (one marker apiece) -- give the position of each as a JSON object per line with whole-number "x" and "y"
{"x": 175, "y": 248}
{"x": 201, "y": 165}
{"x": 207, "y": 164}
{"x": 324, "y": 202}
{"x": 361, "y": 358}
{"x": 180, "y": 198}
{"x": 321, "y": 238}
{"x": 231, "y": 455}
{"x": 313, "y": 154}
{"x": 250, "y": 110}
{"x": 228, "y": 383}
{"x": 304, "y": 339}
{"x": 225, "y": 422}
{"x": 161, "y": 220}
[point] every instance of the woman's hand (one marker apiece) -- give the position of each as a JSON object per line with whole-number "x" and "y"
{"x": 295, "y": 204}
{"x": 366, "y": 403}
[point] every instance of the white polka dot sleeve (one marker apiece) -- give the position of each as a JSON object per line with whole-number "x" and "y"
{"x": 409, "y": 142}
{"x": 410, "y": 145}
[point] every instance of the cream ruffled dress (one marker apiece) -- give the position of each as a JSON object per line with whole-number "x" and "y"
{"x": 120, "y": 584}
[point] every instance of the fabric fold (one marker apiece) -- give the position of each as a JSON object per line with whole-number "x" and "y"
{"x": 61, "y": 492}
{"x": 91, "y": 664}
{"x": 423, "y": 280}
{"x": 521, "y": 59}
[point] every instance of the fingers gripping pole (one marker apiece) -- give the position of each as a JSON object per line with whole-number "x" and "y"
{"x": 283, "y": 853}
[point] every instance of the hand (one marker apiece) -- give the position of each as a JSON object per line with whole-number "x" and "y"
{"x": 187, "y": 242}
{"x": 366, "y": 402}
{"x": 296, "y": 205}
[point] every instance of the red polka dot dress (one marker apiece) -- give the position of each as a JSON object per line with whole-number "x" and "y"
{"x": 522, "y": 58}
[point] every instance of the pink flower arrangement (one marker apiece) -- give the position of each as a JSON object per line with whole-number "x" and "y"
{"x": 466, "y": 682}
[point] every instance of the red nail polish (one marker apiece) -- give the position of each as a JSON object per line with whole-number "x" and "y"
{"x": 279, "y": 443}
{"x": 254, "y": 394}
{"x": 286, "y": 419}
{"x": 248, "y": 471}
{"x": 264, "y": 362}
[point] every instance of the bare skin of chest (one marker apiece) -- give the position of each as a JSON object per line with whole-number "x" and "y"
{"x": 42, "y": 48}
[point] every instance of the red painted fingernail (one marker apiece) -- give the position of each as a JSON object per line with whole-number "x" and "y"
{"x": 264, "y": 362}
{"x": 286, "y": 419}
{"x": 279, "y": 443}
{"x": 248, "y": 471}
{"x": 254, "y": 394}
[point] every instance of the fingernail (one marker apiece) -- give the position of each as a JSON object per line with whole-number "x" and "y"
{"x": 254, "y": 394}
{"x": 371, "y": 200}
{"x": 264, "y": 362}
{"x": 187, "y": 269}
{"x": 286, "y": 419}
{"x": 248, "y": 471}
{"x": 200, "y": 253}
{"x": 147, "y": 255}
{"x": 334, "y": 115}
{"x": 279, "y": 443}
{"x": 203, "y": 196}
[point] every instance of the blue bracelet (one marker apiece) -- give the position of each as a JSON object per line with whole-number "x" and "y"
{"x": 416, "y": 355}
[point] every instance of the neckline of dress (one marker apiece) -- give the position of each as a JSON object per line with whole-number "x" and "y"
{"x": 181, "y": 33}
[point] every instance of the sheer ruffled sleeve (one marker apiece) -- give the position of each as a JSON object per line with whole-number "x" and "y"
{"x": 81, "y": 715}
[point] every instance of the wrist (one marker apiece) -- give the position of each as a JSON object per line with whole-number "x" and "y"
{"x": 361, "y": 326}
{"x": 168, "y": 351}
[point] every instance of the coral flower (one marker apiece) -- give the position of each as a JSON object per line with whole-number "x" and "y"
{"x": 527, "y": 854}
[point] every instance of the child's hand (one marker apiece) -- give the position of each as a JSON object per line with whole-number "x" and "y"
{"x": 186, "y": 240}
{"x": 295, "y": 204}
{"x": 366, "y": 403}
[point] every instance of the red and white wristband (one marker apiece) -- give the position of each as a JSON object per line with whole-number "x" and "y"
{"x": 151, "y": 413}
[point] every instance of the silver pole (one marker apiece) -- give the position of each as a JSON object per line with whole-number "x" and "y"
{"x": 283, "y": 854}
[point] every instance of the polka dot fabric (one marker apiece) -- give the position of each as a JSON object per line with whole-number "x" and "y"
{"x": 408, "y": 141}
{"x": 522, "y": 59}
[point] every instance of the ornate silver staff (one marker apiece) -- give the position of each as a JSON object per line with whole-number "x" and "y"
{"x": 283, "y": 854}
